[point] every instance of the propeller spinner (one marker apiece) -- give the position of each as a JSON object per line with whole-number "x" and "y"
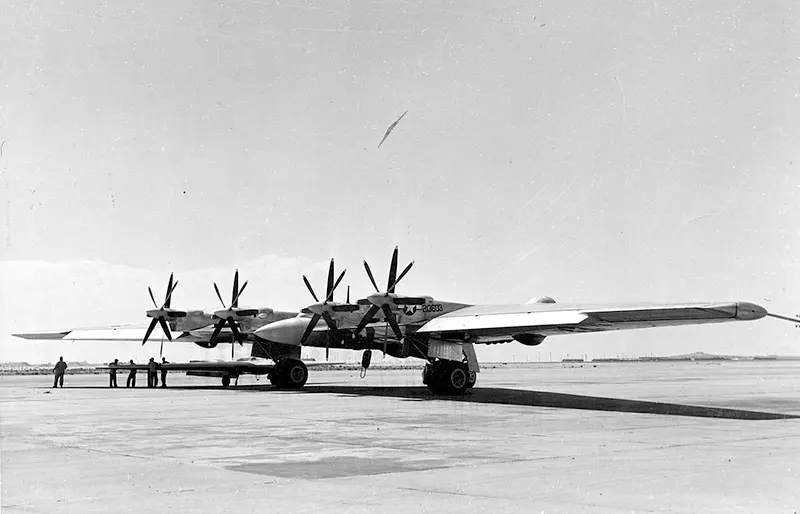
{"x": 388, "y": 301}
{"x": 160, "y": 314}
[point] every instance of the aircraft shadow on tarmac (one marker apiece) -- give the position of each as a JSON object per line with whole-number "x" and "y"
{"x": 553, "y": 400}
{"x": 503, "y": 396}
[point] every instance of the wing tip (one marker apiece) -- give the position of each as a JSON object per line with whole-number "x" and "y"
{"x": 43, "y": 335}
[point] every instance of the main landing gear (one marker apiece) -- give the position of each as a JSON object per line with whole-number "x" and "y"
{"x": 289, "y": 374}
{"x": 448, "y": 377}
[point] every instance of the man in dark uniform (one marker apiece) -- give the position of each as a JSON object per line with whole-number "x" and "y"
{"x": 131, "y": 377}
{"x": 58, "y": 371}
{"x": 112, "y": 373}
{"x": 152, "y": 373}
{"x": 163, "y": 372}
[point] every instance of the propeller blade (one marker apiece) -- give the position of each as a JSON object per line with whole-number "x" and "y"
{"x": 236, "y": 334}
{"x": 310, "y": 289}
{"x": 168, "y": 300}
{"x": 329, "y": 287}
{"x": 161, "y": 350}
{"x": 152, "y": 297}
{"x": 371, "y": 278}
{"x": 403, "y": 274}
{"x": 235, "y": 288}
{"x": 217, "y": 329}
{"x": 330, "y": 293}
{"x": 331, "y": 324}
{"x": 367, "y": 317}
{"x": 387, "y": 311}
{"x": 149, "y": 330}
{"x": 409, "y": 300}
{"x": 169, "y": 292}
{"x": 309, "y": 328}
{"x": 392, "y": 272}
{"x": 164, "y": 327}
{"x": 219, "y": 295}
{"x": 240, "y": 293}
{"x": 348, "y": 294}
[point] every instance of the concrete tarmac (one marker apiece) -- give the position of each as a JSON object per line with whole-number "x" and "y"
{"x": 649, "y": 437}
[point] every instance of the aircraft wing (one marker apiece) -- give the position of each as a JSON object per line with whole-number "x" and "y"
{"x": 239, "y": 367}
{"x": 243, "y": 367}
{"x": 123, "y": 333}
{"x": 497, "y": 322}
{"x": 111, "y": 332}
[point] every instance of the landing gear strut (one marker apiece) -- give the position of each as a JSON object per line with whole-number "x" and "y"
{"x": 448, "y": 377}
{"x": 289, "y": 374}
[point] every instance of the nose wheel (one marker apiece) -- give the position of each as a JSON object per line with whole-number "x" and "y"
{"x": 448, "y": 377}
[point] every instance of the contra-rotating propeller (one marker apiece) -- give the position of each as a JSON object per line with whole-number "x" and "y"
{"x": 230, "y": 315}
{"x": 386, "y": 300}
{"x": 161, "y": 314}
{"x": 325, "y": 308}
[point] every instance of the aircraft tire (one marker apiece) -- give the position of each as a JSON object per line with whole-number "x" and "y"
{"x": 427, "y": 375}
{"x": 472, "y": 377}
{"x": 289, "y": 374}
{"x": 274, "y": 379}
{"x": 296, "y": 374}
{"x": 226, "y": 381}
{"x": 447, "y": 377}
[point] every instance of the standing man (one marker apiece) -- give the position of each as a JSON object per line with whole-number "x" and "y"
{"x": 58, "y": 371}
{"x": 131, "y": 377}
{"x": 152, "y": 373}
{"x": 163, "y": 372}
{"x": 112, "y": 373}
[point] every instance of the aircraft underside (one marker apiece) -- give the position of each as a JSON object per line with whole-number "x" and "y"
{"x": 441, "y": 375}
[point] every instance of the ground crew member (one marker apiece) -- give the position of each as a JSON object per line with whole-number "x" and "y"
{"x": 152, "y": 373}
{"x": 163, "y": 372}
{"x": 131, "y": 377}
{"x": 58, "y": 371}
{"x": 112, "y": 373}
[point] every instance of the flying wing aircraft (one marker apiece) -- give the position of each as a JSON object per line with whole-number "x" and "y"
{"x": 440, "y": 332}
{"x": 444, "y": 333}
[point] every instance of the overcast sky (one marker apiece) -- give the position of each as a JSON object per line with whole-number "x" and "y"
{"x": 599, "y": 152}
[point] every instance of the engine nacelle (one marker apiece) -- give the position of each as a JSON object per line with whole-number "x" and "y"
{"x": 529, "y": 339}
